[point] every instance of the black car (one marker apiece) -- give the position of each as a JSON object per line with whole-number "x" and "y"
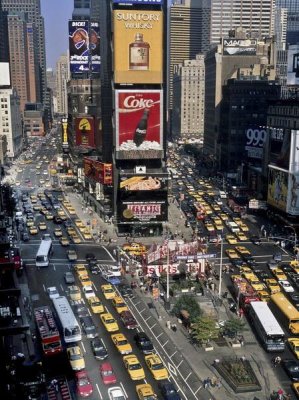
{"x": 99, "y": 349}
{"x": 256, "y": 240}
{"x": 168, "y": 391}
{"x": 81, "y": 310}
{"x": 144, "y": 343}
{"x": 57, "y": 219}
{"x": 88, "y": 327}
{"x": 262, "y": 275}
{"x": 94, "y": 268}
{"x": 294, "y": 299}
{"x": 126, "y": 290}
{"x": 68, "y": 223}
{"x": 292, "y": 369}
{"x": 25, "y": 236}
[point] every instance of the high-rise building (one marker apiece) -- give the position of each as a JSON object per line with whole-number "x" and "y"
{"x": 4, "y": 53}
{"x": 292, "y": 28}
{"x": 32, "y": 10}
{"x": 188, "y": 99}
{"x": 81, "y": 9}
{"x": 254, "y": 16}
{"x": 188, "y": 35}
{"x": 62, "y": 77}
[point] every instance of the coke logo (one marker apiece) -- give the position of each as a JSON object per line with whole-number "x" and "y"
{"x": 132, "y": 102}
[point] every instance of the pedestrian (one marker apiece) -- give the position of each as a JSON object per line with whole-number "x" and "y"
{"x": 174, "y": 327}
{"x": 213, "y": 381}
{"x": 54, "y": 384}
{"x": 205, "y": 383}
{"x": 280, "y": 394}
{"x": 218, "y": 383}
{"x": 216, "y": 362}
{"x": 277, "y": 361}
{"x": 243, "y": 358}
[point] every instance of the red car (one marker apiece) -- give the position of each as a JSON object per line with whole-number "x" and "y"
{"x": 107, "y": 373}
{"x": 128, "y": 320}
{"x": 84, "y": 386}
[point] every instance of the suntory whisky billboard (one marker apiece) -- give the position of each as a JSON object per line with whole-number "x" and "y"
{"x": 138, "y": 121}
{"x": 138, "y": 46}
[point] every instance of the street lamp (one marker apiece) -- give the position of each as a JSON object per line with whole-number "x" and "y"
{"x": 295, "y": 234}
{"x": 221, "y": 265}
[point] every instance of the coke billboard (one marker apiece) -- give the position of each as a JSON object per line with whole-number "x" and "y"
{"x": 138, "y": 118}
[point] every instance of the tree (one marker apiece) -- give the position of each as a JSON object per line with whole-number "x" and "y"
{"x": 189, "y": 304}
{"x": 234, "y": 326}
{"x": 204, "y": 330}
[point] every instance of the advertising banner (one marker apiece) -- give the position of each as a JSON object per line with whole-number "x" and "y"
{"x": 255, "y": 139}
{"x": 143, "y": 182}
{"x": 105, "y": 173}
{"x": 151, "y": 2}
{"x": 146, "y": 211}
{"x": 294, "y": 152}
{"x": 293, "y": 193}
{"x": 138, "y": 46}
{"x": 175, "y": 268}
{"x": 64, "y": 132}
{"x": 139, "y": 124}
{"x": 79, "y": 46}
{"x": 239, "y": 47}
{"x": 94, "y": 40}
{"x": 293, "y": 65}
{"x": 280, "y": 144}
{"x": 84, "y": 127}
{"x": 277, "y": 188}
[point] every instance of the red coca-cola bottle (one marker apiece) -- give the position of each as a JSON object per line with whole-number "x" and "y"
{"x": 141, "y": 129}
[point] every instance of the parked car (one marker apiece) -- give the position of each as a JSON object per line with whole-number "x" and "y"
{"x": 69, "y": 277}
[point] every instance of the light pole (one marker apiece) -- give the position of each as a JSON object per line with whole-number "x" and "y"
{"x": 221, "y": 265}
{"x": 295, "y": 234}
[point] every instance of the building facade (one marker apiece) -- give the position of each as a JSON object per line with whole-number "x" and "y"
{"x": 254, "y": 16}
{"x": 188, "y": 99}
{"x": 62, "y": 77}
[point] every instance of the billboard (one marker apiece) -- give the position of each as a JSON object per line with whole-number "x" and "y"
{"x": 138, "y": 46}
{"x": 151, "y": 2}
{"x": 84, "y": 127}
{"x": 148, "y": 182}
{"x": 280, "y": 144}
{"x": 293, "y": 65}
{"x": 294, "y": 152}
{"x": 139, "y": 122}
{"x": 105, "y": 173}
{"x": 255, "y": 139}
{"x": 293, "y": 194}
{"x": 64, "y": 132}
{"x": 239, "y": 47}
{"x": 94, "y": 40}
{"x": 79, "y": 46}
{"x": 174, "y": 269}
{"x": 97, "y": 171}
{"x": 142, "y": 211}
{"x": 4, "y": 74}
{"x": 277, "y": 188}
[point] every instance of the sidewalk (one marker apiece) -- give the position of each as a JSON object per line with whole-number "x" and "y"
{"x": 200, "y": 361}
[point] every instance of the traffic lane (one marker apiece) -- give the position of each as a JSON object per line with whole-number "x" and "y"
{"x": 187, "y": 382}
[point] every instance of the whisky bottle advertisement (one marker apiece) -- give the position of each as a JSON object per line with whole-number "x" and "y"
{"x": 139, "y": 54}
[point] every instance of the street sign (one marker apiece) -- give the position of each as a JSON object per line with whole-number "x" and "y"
{"x": 199, "y": 256}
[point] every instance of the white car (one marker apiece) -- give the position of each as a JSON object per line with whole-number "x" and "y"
{"x": 53, "y": 292}
{"x": 286, "y": 286}
{"x": 116, "y": 393}
{"x": 88, "y": 291}
{"x": 114, "y": 270}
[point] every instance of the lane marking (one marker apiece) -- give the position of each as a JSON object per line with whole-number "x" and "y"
{"x": 100, "y": 394}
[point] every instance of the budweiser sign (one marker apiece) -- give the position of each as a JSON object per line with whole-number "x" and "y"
{"x": 139, "y": 124}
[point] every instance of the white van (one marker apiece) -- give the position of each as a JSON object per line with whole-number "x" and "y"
{"x": 233, "y": 227}
{"x": 222, "y": 194}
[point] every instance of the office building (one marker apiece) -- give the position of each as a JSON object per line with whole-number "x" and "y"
{"x": 32, "y": 10}
{"x": 188, "y": 35}
{"x": 292, "y": 28}
{"x": 62, "y": 77}
{"x": 254, "y": 16}
{"x": 188, "y": 99}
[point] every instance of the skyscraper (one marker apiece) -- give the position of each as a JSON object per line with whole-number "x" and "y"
{"x": 62, "y": 77}
{"x": 188, "y": 35}
{"x": 33, "y": 14}
{"x": 254, "y": 16}
{"x": 292, "y": 28}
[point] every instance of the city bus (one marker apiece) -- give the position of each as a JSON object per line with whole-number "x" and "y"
{"x": 266, "y": 326}
{"x": 70, "y": 328}
{"x": 44, "y": 252}
{"x": 288, "y": 311}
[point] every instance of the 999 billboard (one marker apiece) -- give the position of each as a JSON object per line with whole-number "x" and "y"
{"x": 142, "y": 211}
{"x": 139, "y": 122}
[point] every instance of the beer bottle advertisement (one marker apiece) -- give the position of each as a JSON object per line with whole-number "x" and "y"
{"x": 139, "y": 124}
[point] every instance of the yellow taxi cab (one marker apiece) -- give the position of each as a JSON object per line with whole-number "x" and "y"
{"x": 216, "y": 207}
{"x": 66, "y": 203}
{"x": 96, "y": 305}
{"x": 134, "y": 367}
{"x": 231, "y": 239}
{"x": 80, "y": 269}
{"x": 242, "y": 250}
{"x": 272, "y": 285}
{"x": 79, "y": 223}
{"x": 156, "y": 367}
{"x": 294, "y": 345}
{"x": 37, "y": 207}
{"x": 209, "y": 227}
{"x": 48, "y": 216}
{"x": 29, "y": 222}
{"x": 245, "y": 269}
{"x": 121, "y": 343}
{"x": 108, "y": 292}
{"x": 223, "y": 216}
{"x": 72, "y": 211}
{"x": 254, "y": 281}
{"x": 263, "y": 295}
{"x": 235, "y": 277}
{"x": 75, "y": 293}
{"x": 279, "y": 274}
{"x": 57, "y": 232}
{"x": 33, "y": 199}
{"x": 109, "y": 322}
{"x": 76, "y": 239}
{"x": 33, "y": 230}
{"x": 82, "y": 228}
{"x": 295, "y": 265}
{"x": 76, "y": 358}
{"x": 87, "y": 235}
{"x": 241, "y": 236}
{"x": 119, "y": 304}
{"x": 295, "y": 387}
{"x": 231, "y": 253}
{"x": 64, "y": 241}
{"x": 219, "y": 225}
{"x": 238, "y": 221}
{"x": 42, "y": 226}
{"x": 85, "y": 280}
{"x": 71, "y": 230}
{"x": 244, "y": 227}
{"x": 145, "y": 392}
